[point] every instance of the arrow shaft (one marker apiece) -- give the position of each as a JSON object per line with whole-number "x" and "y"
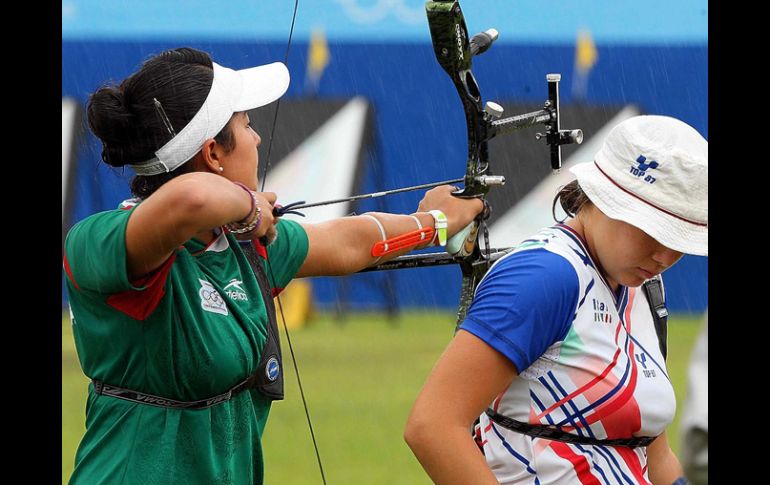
{"x": 377, "y": 194}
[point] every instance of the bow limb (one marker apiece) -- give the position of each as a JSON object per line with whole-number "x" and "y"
{"x": 453, "y": 52}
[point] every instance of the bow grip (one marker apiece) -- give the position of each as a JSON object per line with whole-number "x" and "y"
{"x": 463, "y": 243}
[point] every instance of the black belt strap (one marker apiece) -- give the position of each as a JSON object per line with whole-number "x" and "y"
{"x": 553, "y": 433}
{"x": 143, "y": 398}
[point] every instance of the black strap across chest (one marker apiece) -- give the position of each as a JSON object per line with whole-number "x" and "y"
{"x": 557, "y": 434}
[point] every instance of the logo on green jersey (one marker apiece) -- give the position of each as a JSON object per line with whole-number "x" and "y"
{"x": 237, "y": 292}
{"x": 211, "y": 300}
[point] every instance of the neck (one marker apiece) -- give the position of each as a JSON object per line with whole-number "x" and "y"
{"x": 206, "y": 236}
{"x": 579, "y": 227}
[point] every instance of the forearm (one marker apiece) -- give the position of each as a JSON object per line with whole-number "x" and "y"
{"x": 343, "y": 246}
{"x": 665, "y": 471}
{"x": 206, "y": 201}
{"x": 180, "y": 209}
{"x": 437, "y": 430}
{"x": 449, "y": 455}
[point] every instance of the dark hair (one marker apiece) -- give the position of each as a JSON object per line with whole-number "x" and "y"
{"x": 131, "y": 129}
{"x": 571, "y": 198}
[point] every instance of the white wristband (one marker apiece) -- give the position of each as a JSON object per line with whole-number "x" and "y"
{"x": 440, "y": 225}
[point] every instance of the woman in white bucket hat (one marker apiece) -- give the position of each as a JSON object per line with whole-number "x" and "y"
{"x": 172, "y": 316}
{"x": 561, "y": 359}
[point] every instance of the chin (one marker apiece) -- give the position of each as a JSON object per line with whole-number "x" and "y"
{"x": 632, "y": 281}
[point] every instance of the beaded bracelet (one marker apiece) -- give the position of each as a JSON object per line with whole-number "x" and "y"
{"x": 252, "y": 220}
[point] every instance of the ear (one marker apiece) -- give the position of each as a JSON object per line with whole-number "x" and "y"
{"x": 211, "y": 156}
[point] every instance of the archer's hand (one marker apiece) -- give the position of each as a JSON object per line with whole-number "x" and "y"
{"x": 459, "y": 212}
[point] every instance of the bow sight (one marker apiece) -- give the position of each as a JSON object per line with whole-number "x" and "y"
{"x": 454, "y": 53}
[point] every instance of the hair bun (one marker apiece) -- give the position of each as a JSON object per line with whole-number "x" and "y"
{"x": 111, "y": 121}
{"x": 124, "y": 117}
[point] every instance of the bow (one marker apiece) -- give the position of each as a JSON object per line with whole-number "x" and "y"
{"x": 454, "y": 52}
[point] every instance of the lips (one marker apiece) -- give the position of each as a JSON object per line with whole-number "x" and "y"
{"x": 646, "y": 274}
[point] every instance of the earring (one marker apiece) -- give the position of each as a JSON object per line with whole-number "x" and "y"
{"x": 221, "y": 169}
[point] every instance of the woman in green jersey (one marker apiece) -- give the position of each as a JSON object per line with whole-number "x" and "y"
{"x": 172, "y": 313}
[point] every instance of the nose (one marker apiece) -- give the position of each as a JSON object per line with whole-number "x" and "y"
{"x": 258, "y": 138}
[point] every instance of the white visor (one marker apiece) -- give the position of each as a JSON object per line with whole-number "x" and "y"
{"x": 231, "y": 92}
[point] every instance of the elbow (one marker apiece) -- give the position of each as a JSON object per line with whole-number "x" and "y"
{"x": 417, "y": 432}
{"x": 191, "y": 195}
{"x": 188, "y": 208}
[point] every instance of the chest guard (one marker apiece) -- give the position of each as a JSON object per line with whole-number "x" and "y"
{"x": 268, "y": 378}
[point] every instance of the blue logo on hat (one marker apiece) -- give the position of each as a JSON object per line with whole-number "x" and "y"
{"x": 272, "y": 370}
{"x": 641, "y": 170}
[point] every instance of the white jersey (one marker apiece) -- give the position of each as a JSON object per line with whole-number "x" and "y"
{"x": 589, "y": 362}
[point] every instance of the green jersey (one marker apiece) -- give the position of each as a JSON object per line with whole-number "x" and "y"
{"x": 191, "y": 330}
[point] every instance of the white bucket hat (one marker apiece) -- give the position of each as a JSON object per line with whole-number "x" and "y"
{"x": 652, "y": 172}
{"x": 231, "y": 92}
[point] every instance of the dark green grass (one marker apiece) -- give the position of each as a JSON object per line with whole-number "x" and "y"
{"x": 360, "y": 378}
